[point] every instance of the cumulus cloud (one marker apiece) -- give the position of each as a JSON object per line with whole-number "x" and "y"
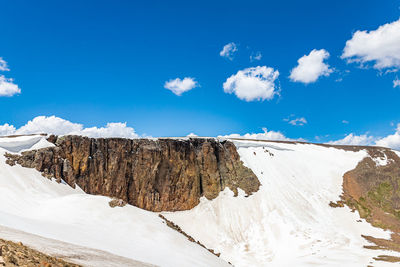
{"x": 396, "y": 83}
{"x": 298, "y": 121}
{"x": 380, "y": 47}
{"x": 356, "y": 140}
{"x": 112, "y": 129}
{"x": 250, "y": 84}
{"x": 7, "y": 129}
{"x": 8, "y": 87}
{"x": 50, "y": 125}
{"x": 228, "y": 51}
{"x": 266, "y": 135}
{"x": 310, "y": 67}
{"x": 392, "y": 141}
{"x": 178, "y": 86}
{"x": 59, "y": 126}
{"x": 3, "y": 65}
{"x": 255, "y": 56}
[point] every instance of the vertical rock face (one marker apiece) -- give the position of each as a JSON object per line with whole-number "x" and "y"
{"x": 156, "y": 175}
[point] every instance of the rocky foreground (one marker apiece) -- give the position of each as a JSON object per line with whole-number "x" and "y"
{"x": 17, "y": 254}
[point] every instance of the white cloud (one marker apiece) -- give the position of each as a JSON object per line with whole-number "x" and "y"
{"x": 392, "y": 141}
{"x": 178, "y": 86}
{"x": 356, "y": 140}
{"x": 112, "y": 129}
{"x": 396, "y": 83}
{"x": 380, "y": 47}
{"x": 298, "y": 121}
{"x": 191, "y": 135}
{"x": 250, "y": 84}
{"x": 3, "y": 65}
{"x": 58, "y": 126}
{"x": 8, "y": 87}
{"x": 50, "y": 125}
{"x": 228, "y": 51}
{"x": 266, "y": 135}
{"x": 255, "y": 56}
{"x": 310, "y": 67}
{"x": 7, "y": 129}
{"x": 345, "y": 122}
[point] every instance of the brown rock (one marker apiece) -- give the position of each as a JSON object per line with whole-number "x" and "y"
{"x": 156, "y": 175}
{"x": 17, "y": 254}
{"x": 115, "y": 202}
{"x": 374, "y": 191}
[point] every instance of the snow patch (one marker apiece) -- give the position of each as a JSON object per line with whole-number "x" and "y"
{"x": 382, "y": 161}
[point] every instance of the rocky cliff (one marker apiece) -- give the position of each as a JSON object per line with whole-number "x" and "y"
{"x": 156, "y": 175}
{"x": 373, "y": 189}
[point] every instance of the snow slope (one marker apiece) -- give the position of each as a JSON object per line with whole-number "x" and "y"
{"x": 33, "y": 204}
{"x": 69, "y": 252}
{"x": 288, "y": 222}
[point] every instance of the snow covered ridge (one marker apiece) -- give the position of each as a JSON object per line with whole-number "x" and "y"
{"x": 287, "y": 222}
{"x": 58, "y": 126}
{"x": 36, "y": 205}
{"x": 18, "y": 144}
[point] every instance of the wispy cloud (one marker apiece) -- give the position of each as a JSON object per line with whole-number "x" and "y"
{"x": 255, "y": 56}
{"x": 228, "y": 51}
{"x": 296, "y": 121}
{"x": 396, "y": 83}
{"x": 3, "y": 65}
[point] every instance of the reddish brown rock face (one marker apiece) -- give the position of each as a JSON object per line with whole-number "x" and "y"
{"x": 156, "y": 175}
{"x": 374, "y": 190}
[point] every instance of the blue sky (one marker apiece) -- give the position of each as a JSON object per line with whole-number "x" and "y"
{"x": 94, "y": 62}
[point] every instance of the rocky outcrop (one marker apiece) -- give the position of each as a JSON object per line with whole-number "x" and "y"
{"x": 373, "y": 189}
{"x": 156, "y": 175}
{"x": 16, "y": 254}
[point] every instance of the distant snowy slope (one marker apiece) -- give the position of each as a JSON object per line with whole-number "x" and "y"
{"x": 288, "y": 222}
{"x": 21, "y": 143}
{"x": 31, "y": 203}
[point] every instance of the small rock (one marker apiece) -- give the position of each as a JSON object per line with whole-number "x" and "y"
{"x": 116, "y": 202}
